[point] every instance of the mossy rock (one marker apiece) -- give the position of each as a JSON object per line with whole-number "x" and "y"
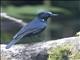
{"x": 64, "y": 52}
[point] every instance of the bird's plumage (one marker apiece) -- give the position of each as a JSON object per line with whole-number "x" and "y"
{"x": 34, "y": 27}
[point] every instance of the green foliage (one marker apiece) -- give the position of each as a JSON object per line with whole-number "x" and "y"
{"x": 5, "y": 37}
{"x": 64, "y": 52}
{"x": 28, "y": 12}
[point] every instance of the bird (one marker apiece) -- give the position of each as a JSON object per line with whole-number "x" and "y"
{"x": 36, "y": 26}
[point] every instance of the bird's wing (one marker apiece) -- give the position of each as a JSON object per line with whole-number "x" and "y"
{"x": 28, "y": 29}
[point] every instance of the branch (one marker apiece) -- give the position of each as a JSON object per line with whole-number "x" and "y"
{"x": 4, "y": 15}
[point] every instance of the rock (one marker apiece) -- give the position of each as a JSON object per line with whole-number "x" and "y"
{"x": 35, "y": 51}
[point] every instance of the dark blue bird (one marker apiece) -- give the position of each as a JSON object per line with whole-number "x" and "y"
{"x": 34, "y": 27}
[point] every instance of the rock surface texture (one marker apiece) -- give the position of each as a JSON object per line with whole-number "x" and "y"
{"x": 36, "y": 51}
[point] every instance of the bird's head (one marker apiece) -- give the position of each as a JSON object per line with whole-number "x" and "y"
{"x": 46, "y": 15}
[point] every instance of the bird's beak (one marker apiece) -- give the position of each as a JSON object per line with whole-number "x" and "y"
{"x": 54, "y": 14}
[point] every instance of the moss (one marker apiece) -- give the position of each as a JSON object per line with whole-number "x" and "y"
{"x": 78, "y": 33}
{"x": 64, "y": 52}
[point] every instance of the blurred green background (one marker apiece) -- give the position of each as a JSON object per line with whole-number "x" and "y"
{"x": 64, "y": 25}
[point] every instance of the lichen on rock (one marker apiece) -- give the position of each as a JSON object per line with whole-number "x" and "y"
{"x": 66, "y": 51}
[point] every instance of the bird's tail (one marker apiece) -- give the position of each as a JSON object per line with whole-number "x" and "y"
{"x": 11, "y": 43}
{"x": 14, "y": 40}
